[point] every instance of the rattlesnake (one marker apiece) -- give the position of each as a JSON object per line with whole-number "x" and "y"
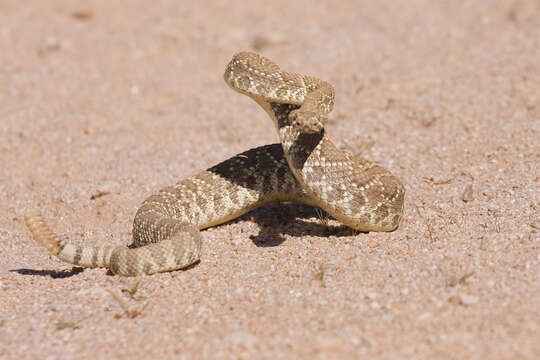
{"x": 306, "y": 167}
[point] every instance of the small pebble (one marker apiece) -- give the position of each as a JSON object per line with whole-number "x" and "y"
{"x": 404, "y": 291}
{"x": 82, "y": 14}
{"x": 466, "y": 299}
{"x": 372, "y": 244}
{"x": 467, "y": 194}
{"x": 105, "y": 189}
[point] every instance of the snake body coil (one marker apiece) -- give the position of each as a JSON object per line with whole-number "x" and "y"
{"x": 306, "y": 167}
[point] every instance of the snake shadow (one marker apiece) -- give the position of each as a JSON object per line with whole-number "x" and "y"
{"x": 55, "y": 274}
{"x": 291, "y": 219}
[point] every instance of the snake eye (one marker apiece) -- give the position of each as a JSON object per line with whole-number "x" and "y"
{"x": 243, "y": 82}
{"x": 261, "y": 88}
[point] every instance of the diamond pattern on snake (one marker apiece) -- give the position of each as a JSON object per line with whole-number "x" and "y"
{"x": 305, "y": 167}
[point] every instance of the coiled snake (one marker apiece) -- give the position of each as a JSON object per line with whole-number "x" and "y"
{"x": 306, "y": 167}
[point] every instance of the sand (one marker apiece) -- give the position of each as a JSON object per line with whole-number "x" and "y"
{"x": 103, "y": 103}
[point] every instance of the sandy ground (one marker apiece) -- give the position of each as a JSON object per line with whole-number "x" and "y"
{"x": 103, "y": 103}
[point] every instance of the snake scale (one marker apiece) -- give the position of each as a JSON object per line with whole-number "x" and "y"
{"x": 305, "y": 167}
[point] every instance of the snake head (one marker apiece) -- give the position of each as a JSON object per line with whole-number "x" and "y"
{"x": 262, "y": 80}
{"x": 246, "y": 71}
